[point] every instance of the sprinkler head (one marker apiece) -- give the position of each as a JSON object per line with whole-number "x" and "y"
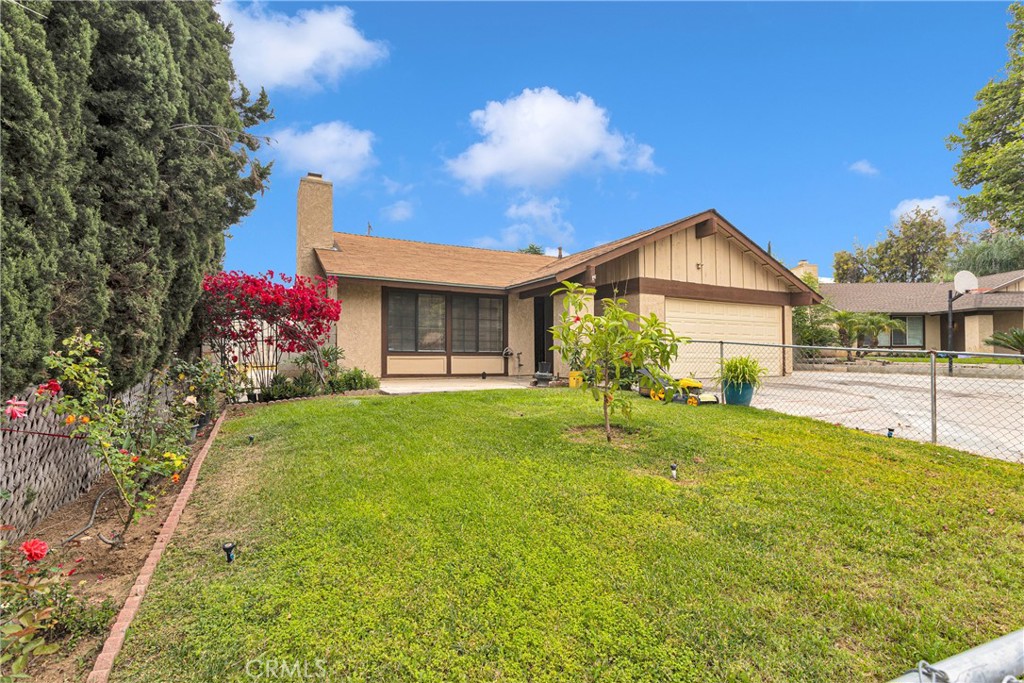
{"x": 252, "y": 437}
{"x": 674, "y": 468}
{"x": 229, "y": 550}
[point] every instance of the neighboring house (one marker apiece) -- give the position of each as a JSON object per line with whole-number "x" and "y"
{"x": 422, "y": 309}
{"x": 996, "y": 306}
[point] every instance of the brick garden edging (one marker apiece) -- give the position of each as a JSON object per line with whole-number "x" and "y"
{"x": 112, "y": 646}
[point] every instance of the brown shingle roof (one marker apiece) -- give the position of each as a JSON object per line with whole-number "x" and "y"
{"x": 386, "y": 258}
{"x": 922, "y": 297}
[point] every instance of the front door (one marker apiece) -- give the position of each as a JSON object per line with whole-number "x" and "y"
{"x": 543, "y": 321}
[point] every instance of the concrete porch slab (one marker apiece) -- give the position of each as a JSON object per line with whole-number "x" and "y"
{"x": 424, "y": 385}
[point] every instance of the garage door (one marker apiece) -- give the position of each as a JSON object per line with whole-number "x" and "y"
{"x": 721, "y": 321}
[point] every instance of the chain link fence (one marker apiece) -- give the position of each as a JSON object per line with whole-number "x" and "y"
{"x": 970, "y": 401}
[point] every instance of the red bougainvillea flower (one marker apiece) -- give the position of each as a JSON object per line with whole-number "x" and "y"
{"x": 50, "y": 388}
{"x": 34, "y": 549}
{"x": 15, "y": 408}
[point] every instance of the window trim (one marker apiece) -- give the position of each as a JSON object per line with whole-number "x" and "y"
{"x": 448, "y": 353}
{"x": 906, "y": 320}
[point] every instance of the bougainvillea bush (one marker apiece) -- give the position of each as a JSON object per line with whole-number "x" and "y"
{"x": 253, "y": 320}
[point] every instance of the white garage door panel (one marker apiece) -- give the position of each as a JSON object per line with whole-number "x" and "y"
{"x": 722, "y": 321}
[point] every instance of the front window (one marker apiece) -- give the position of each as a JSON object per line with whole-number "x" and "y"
{"x": 478, "y": 324}
{"x": 913, "y": 336}
{"x": 416, "y": 322}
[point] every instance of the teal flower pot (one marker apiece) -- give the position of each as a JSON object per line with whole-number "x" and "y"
{"x": 739, "y": 394}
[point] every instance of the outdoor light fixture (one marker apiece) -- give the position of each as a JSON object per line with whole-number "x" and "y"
{"x": 674, "y": 468}
{"x": 229, "y": 550}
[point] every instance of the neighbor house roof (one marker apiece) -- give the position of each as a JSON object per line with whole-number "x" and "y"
{"x": 924, "y": 297}
{"x": 395, "y": 260}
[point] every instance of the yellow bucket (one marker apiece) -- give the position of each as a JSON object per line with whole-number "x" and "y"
{"x": 575, "y": 379}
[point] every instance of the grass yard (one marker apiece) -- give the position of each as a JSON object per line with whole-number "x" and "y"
{"x": 484, "y": 536}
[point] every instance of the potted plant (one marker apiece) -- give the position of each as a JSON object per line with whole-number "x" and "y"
{"x": 739, "y": 378}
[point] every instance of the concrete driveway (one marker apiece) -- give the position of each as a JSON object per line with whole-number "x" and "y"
{"x": 981, "y": 415}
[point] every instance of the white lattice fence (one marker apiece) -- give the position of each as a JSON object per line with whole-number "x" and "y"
{"x": 41, "y": 473}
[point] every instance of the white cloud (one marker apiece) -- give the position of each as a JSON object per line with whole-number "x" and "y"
{"x": 394, "y": 187}
{"x": 335, "y": 149}
{"x": 863, "y": 167}
{"x": 538, "y": 137}
{"x": 537, "y": 222}
{"x": 304, "y": 50}
{"x": 399, "y": 211}
{"x": 940, "y": 203}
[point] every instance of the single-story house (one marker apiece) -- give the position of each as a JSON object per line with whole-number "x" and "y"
{"x": 423, "y": 309}
{"x": 995, "y": 306}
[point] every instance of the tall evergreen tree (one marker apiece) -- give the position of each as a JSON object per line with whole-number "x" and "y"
{"x": 126, "y": 156}
{"x": 36, "y": 205}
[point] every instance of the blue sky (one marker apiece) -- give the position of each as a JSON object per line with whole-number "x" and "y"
{"x": 807, "y": 125}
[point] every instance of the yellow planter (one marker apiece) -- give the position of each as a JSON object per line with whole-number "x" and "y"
{"x": 575, "y": 379}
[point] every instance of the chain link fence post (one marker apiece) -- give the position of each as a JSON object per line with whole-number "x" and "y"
{"x": 935, "y": 399}
{"x": 721, "y": 367}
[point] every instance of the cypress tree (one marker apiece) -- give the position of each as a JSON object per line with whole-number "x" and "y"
{"x": 35, "y": 202}
{"x": 126, "y": 157}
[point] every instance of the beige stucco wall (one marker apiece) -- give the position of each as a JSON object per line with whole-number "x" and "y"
{"x": 1006, "y": 320}
{"x": 933, "y": 332}
{"x": 359, "y": 326}
{"x": 977, "y": 328}
{"x": 520, "y": 335}
{"x": 561, "y": 368}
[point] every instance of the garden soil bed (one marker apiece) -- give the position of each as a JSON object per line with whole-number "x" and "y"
{"x": 99, "y": 573}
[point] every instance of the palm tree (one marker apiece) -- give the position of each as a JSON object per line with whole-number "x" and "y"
{"x": 873, "y": 324}
{"x": 1011, "y": 339}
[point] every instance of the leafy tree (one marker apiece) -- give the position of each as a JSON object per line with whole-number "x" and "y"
{"x": 991, "y": 142}
{"x": 611, "y": 346}
{"x": 813, "y": 325}
{"x": 532, "y": 248}
{"x": 996, "y": 252}
{"x": 916, "y": 249}
{"x": 849, "y": 267}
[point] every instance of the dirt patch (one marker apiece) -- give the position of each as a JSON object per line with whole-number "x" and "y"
{"x": 95, "y": 572}
{"x": 626, "y": 438}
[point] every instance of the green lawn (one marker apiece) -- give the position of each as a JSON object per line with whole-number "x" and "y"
{"x": 476, "y": 536}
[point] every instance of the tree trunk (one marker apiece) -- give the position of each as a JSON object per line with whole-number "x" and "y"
{"x": 607, "y": 420}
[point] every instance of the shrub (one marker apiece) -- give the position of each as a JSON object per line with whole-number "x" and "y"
{"x": 741, "y": 370}
{"x": 356, "y": 379}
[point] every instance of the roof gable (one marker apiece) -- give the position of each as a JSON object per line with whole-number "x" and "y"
{"x": 389, "y": 259}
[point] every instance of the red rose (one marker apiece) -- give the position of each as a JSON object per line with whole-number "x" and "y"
{"x": 34, "y": 549}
